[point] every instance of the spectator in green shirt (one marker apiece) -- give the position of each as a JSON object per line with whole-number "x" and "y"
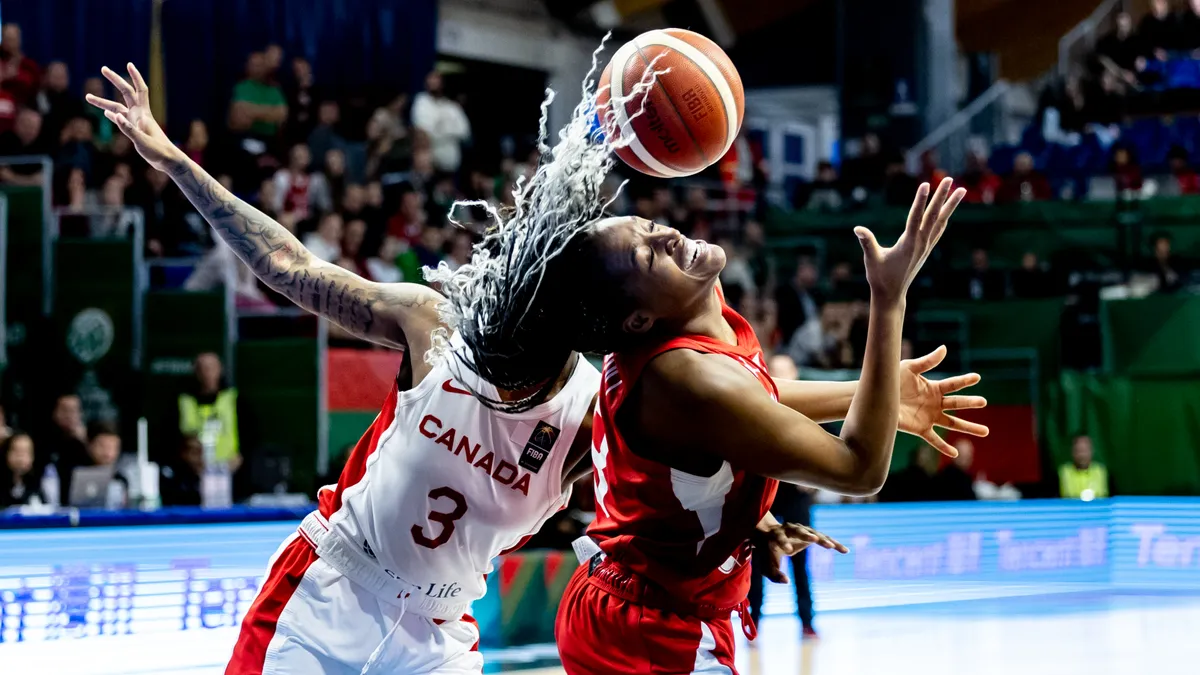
{"x": 1082, "y": 478}
{"x": 258, "y": 106}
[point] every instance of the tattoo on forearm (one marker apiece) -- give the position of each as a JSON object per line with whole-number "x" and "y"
{"x": 281, "y": 261}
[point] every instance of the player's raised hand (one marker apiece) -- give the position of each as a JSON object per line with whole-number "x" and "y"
{"x": 786, "y": 539}
{"x": 924, "y": 402}
{"x": 134, "y": 119}
{"x": 891, "y": 270}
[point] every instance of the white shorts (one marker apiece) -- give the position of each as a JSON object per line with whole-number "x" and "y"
{"x": 308, "y": 619}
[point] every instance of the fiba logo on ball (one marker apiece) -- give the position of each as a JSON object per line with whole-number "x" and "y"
{"x": 90, "y": 335}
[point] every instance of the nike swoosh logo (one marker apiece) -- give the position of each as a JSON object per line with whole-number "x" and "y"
{"x": 448, "y": 385}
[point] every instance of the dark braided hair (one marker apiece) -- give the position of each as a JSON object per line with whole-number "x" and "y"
{"x": 517, "y": 305}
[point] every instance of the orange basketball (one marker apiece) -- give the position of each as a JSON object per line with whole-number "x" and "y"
{"x": 692, "y": 113}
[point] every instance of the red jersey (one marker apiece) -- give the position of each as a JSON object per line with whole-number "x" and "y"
{"x": 688, "y": 534}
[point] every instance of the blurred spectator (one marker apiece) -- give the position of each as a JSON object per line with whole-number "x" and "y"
{"x": 982, "y": 282}
{"x": 1126, "y": 172}
{"x": 914, "y": 483}
{"x": 1189, "y": 28}
{"x": 460, "y": 249}
{"x": 20, "y": 75}
{"x": 64, "y": 444}
{"x": 1183, "y": 173}
{"x": 163, "y": 208}
{"x": 324, "y": 136}
{"x": 782, "y": 367}
{"x": 389, "y": 119}
{"x": 1166, "y": 266}
{"x": 257, "y": 106}
{"x": 301, "y": 101}
{"x": 220, "y": 267}
{"x": 978, "y": 179}
{"x": 326, "y": 242}
{"x": 954, "y": 481}
{"x": 898, "y": 185}
{"x": 209, "y": 411}
{"x": 297, "y": 190}
{"x": 1082, "y": 478}
{"x": 55, "y": 103}
{"x": 75, "y": 146}
{"x": 931, "y": 171}
{"x": 1032, "y": 280}
{"x": 823, "y": 193}
{"x": 409, "y": 220}
{"x": 866, "y": 170}
{"x": 1159, "y": 30}
{"x": 798, "y": 301}
{"x": 179, "y": 481}
{"x": 1121, "y": 51}
{"x": 352, "y": 256}
{"x": 445, "y": 122}
{"x": 101, "y": 124}
{"x": 737, "y": 271}
{"x": 196, "y": 144}
{"x": 983, "y": 488}
{"x": 20, "y": 475}
{"x": 5, "y": 430}
{"x": 24, "y": 139}
{"x": 333, "y": 168}
{"x": 272, "y": 60}
{"x": 425, "y": 252}
{"x": 104, "y": 450}
{"x": 1024, "y": 184}
{"x": 113, "y": 219}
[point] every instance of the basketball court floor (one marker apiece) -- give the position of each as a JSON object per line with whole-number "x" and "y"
{"x": 1092, "y": 632}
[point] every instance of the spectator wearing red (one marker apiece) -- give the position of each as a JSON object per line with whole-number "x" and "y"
{"x": 981, "y": 184}
{"x": 409, "y": 220}
{"x": 1024, "y": 184}
{"x": 20, "y": 75}
{"x": 298, "y": 191}
{"x": 930, "y": 171}
{"x": 196, "y": 144}
{"x": 1184, "y": 174}
{"x": 1126, "y": 172}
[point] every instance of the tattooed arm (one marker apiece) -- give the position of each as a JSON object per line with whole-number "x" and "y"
{"x": 393, "y": 315}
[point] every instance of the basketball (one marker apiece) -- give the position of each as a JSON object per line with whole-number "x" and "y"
{"x": 692, "y": 113}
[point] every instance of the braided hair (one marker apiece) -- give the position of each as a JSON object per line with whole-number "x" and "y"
{"x": 516, "y": 306}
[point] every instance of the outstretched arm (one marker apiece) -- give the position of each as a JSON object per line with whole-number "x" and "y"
{"x": 393, "y": 315}
{"x": 923, "y": 402}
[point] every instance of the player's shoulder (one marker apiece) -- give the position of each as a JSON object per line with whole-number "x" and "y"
{"x": 689, "y": 376}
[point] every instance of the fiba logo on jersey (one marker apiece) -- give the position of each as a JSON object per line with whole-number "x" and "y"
{"x": 541, "y": 441}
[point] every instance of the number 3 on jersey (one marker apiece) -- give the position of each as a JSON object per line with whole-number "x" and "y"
{"x": 446, "y": 519}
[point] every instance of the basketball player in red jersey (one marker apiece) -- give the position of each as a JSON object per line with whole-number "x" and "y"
{"x": 331, "y": 605}
{"x": 691, "y": 435}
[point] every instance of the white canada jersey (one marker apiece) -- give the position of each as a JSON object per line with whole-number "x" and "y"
{"x": 440, "y": 484}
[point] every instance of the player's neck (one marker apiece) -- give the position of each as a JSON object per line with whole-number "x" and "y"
{"x": 708, "y": 319}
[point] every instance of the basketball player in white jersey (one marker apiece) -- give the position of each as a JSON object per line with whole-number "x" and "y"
{"x": 465, "y": 461}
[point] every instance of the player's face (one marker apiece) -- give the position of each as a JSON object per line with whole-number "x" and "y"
{"x": 667, "y": 274}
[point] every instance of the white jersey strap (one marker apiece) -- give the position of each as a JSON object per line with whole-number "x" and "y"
{"x": 366, "y": 572}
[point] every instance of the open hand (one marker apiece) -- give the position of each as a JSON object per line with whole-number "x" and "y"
{"x": 891, "y": 270}
{"x": 924, "y": 402}
{"x": 787, "y": 539}
{"x": 134, "y": 118}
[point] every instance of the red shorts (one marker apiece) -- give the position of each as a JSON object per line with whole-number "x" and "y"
{"x": 599, "y": 633}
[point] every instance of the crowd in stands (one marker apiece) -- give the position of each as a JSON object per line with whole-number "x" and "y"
{"x": 366, "y": 181}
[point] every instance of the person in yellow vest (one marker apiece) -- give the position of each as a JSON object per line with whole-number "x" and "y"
{"x": 1082, "y": 478}
{"x": 209, "y": 412}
